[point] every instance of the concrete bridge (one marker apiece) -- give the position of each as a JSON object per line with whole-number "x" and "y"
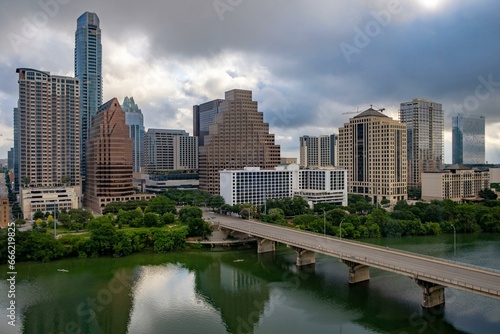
{"x": 431, "y": 274}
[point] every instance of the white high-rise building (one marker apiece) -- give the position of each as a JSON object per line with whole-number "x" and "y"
{"x": 168, "y": 150}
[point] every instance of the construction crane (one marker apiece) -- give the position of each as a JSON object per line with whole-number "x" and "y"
{"x": 357, "y": 110}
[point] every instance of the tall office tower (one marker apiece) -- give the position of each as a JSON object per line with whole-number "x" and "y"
{"x": 135, "y": 121}
{"x": 468, "y": 140}
{"x": 425, "y": 135}
{"x": 168, "y": 150}
{"x": 109, "y": 159}
{"x": 15, "y": 155}
{"x": 203, "y": 117}
{"x": 88, "y": 69}
{"x": 47, "y": 136}
{"x": 372, "y": 148}
{"x": 238, "y": 138}
{"x": 318, "y": 151}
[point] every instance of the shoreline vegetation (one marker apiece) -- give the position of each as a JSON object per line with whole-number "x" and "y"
{"x": 164, "y": 223}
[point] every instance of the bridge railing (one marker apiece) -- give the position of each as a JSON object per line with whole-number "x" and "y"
{"x": 496, "y": 271}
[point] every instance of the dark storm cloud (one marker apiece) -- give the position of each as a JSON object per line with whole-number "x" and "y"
{"x": 442, "y": 55}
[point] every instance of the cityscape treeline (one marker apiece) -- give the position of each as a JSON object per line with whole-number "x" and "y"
{"x": 160, "y": 227}
{"x": 164, "y": 222}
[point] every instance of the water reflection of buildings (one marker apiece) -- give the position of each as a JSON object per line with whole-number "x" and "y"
{"x": 239, "y": 297}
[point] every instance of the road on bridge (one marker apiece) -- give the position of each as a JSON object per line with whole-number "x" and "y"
{"x": 447, "y": 273}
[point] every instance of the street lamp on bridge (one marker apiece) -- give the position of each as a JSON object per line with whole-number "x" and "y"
{"x": 340, "y": 227}
{"x": 454, "y": 240}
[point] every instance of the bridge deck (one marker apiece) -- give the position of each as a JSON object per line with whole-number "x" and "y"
{"x": 458, "y": 275}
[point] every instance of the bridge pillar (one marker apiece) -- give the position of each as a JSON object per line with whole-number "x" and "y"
{"x": 265, "y": 245}
{"x": 357, "y": 272}
{"x": 304, "y": 257}
{"x": 433, "y": 293}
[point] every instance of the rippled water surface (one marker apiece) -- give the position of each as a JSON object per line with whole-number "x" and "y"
{"x": 240, "y": 291}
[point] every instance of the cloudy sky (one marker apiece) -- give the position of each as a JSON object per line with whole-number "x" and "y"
{"x": 307, "y": 62}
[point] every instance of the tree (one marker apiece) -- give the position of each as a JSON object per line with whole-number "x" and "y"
{"x": 103, "y": 238}
{"x": 216, "y": 202}
{"x": 38, "y": 215}
{"x": 168, "y": 218}
{"x": 488, "y": 194}
{"x": 189, "y": 212}
{"x": 414, "y": 193}
{"x": 198, "y": 227}
{"x": 160, "y": 205}
{"x": 151, "y": 219}
{"x": 97, "y": 222}
{"x": 276, "y": 216}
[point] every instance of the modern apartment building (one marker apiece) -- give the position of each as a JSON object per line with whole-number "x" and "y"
{"x": 15, "y": 152}
{"x": 253, "y": 185}
{"x": 135, "y": 121}
{"x": 425, "y": 137}
{"x": 109, "y": 159}
{"x": 238, "y": 138}
{"x": 88, "y": 69}
{"x": 468, "y": 146}
{"x": 318, "y": 151}
{"x": 203, "y": 117}
{"x": 372, "y": 148}
{"x": 456, "y": 182}
{"x": 47, "y": 135}
{"x": 168, "y": 150}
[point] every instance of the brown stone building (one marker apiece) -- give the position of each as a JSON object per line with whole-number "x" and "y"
{"x": 109, "y": 159}
{"x": 238, "y": 138}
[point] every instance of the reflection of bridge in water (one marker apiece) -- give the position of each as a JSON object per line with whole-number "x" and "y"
{"x": 431, "y": 274}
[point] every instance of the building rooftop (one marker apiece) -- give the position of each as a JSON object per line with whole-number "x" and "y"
{"x": 457, "y": 167}
{"x": 370, "y": 113}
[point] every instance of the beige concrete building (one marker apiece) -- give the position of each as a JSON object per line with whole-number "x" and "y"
{"x": 170, "y": 149}
{"x": 425, "y": 133}
{"x": 288, "y": 161}
{"x": 48, "y": 128}
{"x": 47, "y": 199}
{"x": 456, "y": 182}
{"x": 238, "y": 138}
{"x": 494, "y": 175}
{"x": 372, "y": 148}
{"x": 109, "y": 159}
{"x": 318, "y": 151}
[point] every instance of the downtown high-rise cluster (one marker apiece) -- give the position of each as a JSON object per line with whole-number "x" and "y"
{"x": 73, "y": 150}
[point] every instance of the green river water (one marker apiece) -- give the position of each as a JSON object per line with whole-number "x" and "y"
{"x": 239, "y": 291}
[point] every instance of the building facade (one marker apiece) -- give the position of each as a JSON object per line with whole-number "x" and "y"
{"x": 4, "y": 203}
{"x": 15, "y": 153}
{"x": 88, "y": 69}
{"x": 457, "y": 183}
{"x": 109, "y": 159}
{"x": 168, "y": 150}
{"x": 256, "y": 186}
{"x": 425, "y": 137}
{"x": 372, "y": 148}
{"x": 468, "y": 140}
{"x": 203, "y": 117}
{"x": 48, "y": 133}
{"x": 318, "y": 151}
{"x": 135, "y": 121}
{"x": 238, "y": 138}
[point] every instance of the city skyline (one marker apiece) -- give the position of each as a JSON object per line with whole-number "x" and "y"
{"x": 302, "y": 86}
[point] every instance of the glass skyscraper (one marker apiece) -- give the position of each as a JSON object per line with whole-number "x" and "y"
{"x": 468, "y": 139}
{"x": 135, "y": 121}
{"x": 424, "y": 121}
{"x": 203, "y": 117}
{"x": 88, "y": 69}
